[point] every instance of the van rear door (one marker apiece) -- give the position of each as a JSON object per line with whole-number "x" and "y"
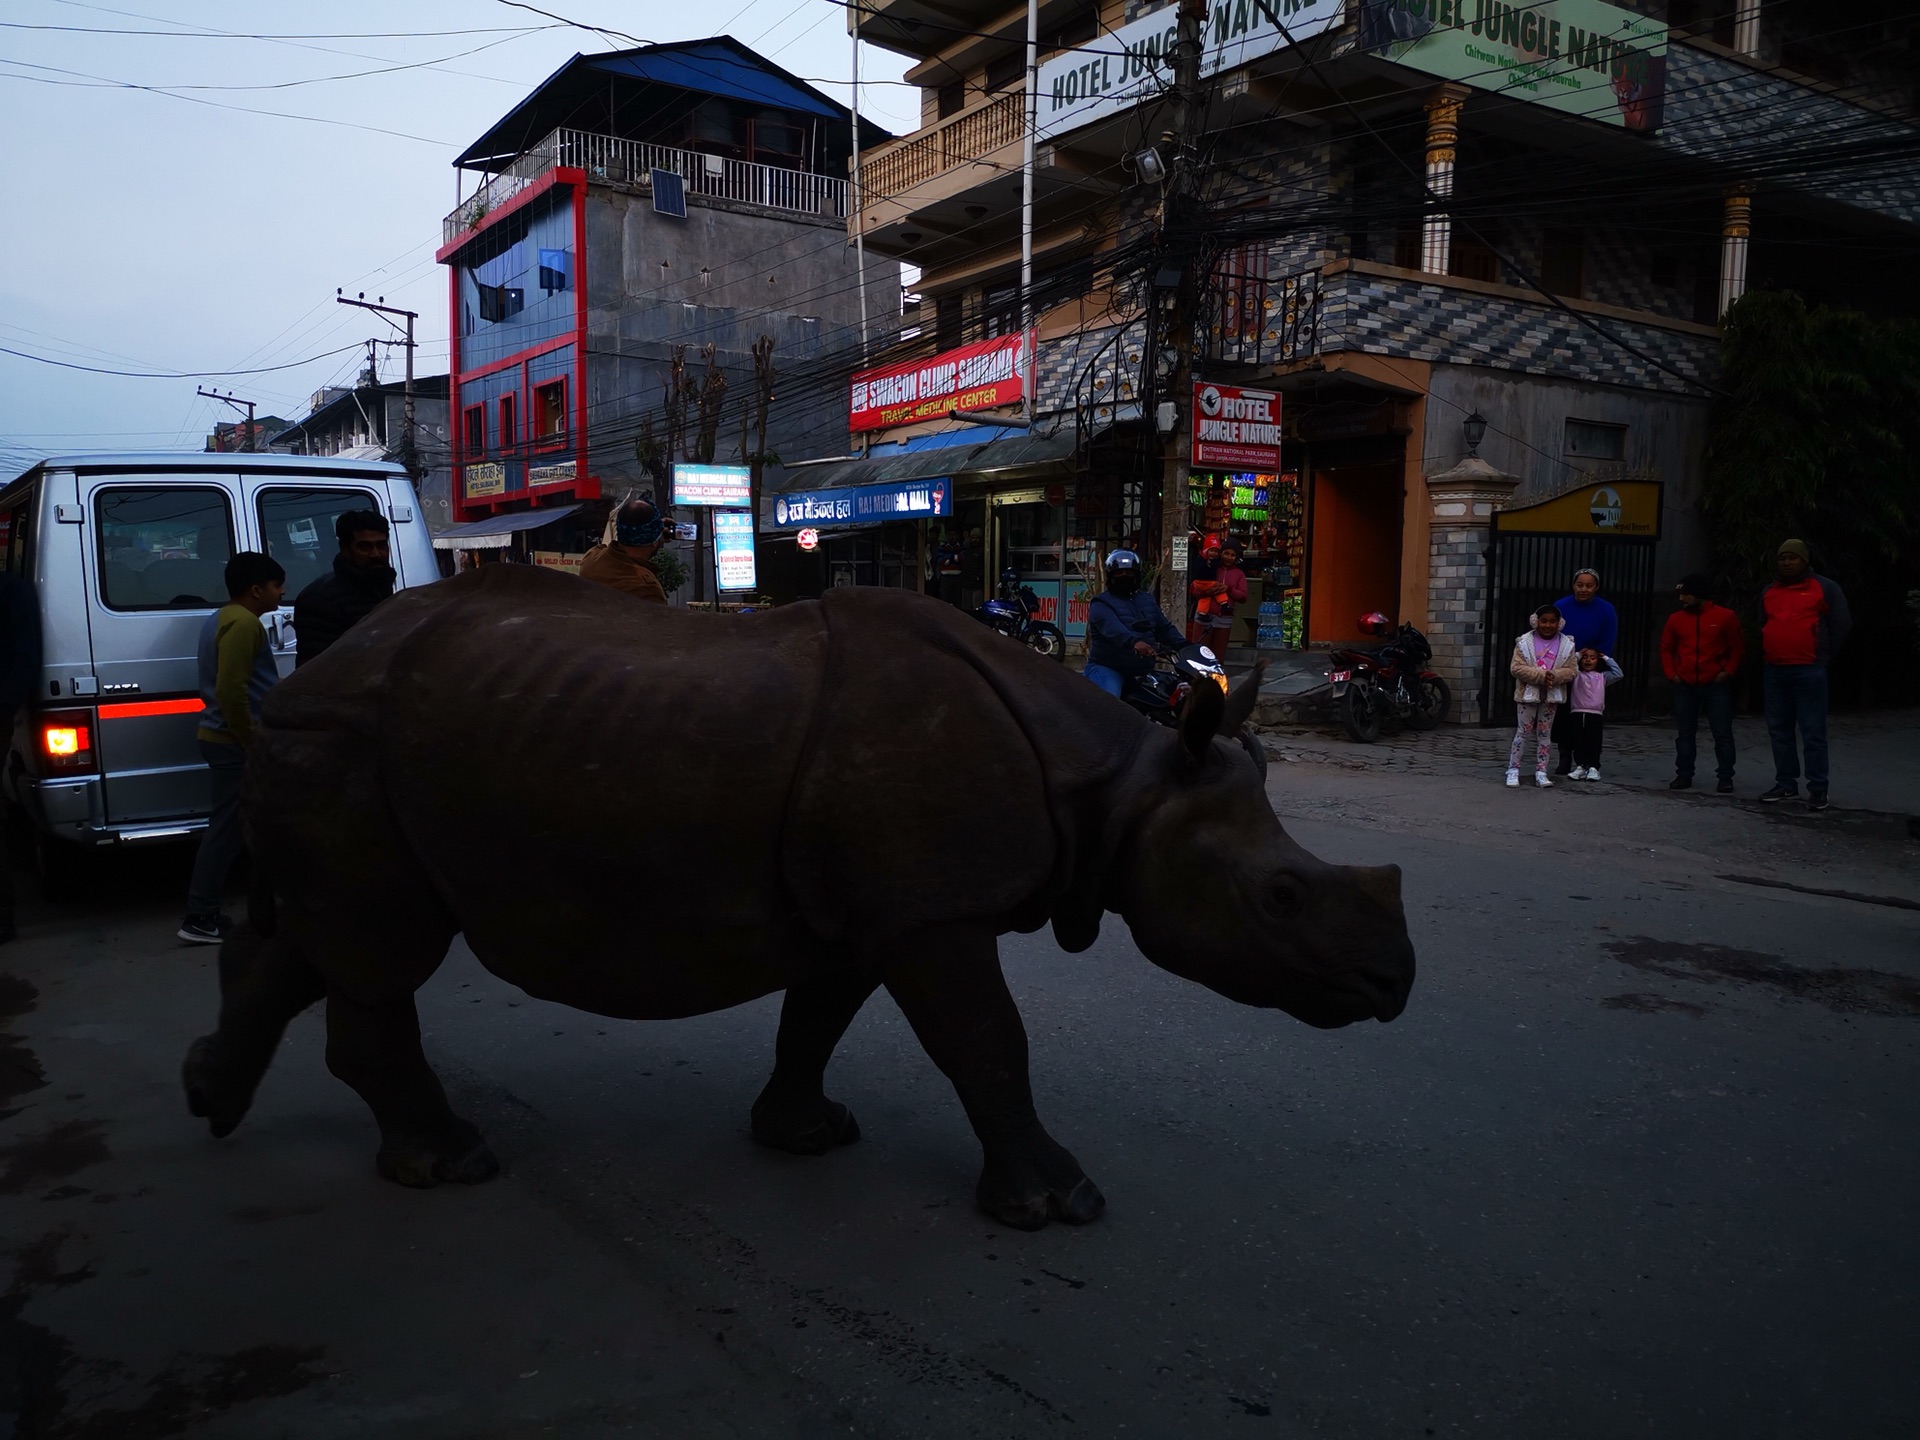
{"x": 294, "y": 516}
{"x": 155, "y": 558}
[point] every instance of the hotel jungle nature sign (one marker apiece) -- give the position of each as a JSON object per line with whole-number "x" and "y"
{"x": 1123, "y": 67}
{"x": 1235, "y": 428}
{"x": 974, "y": 377}
{"x": 1585, "y": 57}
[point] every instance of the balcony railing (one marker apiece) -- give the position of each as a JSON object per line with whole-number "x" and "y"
{"x": 891, "y": 171}
{"x": 632, "y": 162}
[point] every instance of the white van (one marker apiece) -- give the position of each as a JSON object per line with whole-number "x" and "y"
{"x": 126, "y": 554}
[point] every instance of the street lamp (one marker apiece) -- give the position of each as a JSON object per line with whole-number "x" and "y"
{"x": 1474, "y": 427}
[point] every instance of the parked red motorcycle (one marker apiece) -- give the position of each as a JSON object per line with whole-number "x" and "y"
{"x": 1374, "y": 687}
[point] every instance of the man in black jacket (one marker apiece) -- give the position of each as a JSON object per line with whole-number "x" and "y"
{"x": 362, "y": 577}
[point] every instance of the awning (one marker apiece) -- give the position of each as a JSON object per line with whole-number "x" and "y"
{"x": 496, "y": 532}
{"x": 1022, "y": 452}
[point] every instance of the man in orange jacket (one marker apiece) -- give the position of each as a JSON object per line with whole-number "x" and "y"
{"x": 1700, "y": 652}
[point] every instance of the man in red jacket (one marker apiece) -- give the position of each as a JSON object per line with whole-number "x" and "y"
{"x": 1804, "y": 621}
{"x": 1700, "y": 651}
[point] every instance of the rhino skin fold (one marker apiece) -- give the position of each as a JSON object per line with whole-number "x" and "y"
{"x": 481, "y": 757}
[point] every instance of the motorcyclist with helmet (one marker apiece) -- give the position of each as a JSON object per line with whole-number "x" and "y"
{"x": 1125, "y": 626}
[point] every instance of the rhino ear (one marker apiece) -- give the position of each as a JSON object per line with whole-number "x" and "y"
{"x": 1200, "y": 720}
{"x": 1240, "y": 704}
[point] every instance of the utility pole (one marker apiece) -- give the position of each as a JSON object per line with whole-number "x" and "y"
{"x": 410, "y": 449}
{"x": 1180, "y": 242}
{"x": 238, "y": 404}
{"x": 1026, "y": 207}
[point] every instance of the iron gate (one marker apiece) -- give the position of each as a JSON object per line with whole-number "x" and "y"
{"x": 1527, "y": 571}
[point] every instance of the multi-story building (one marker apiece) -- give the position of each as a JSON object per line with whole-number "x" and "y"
{"x": 1408, "y": 215}
{"x": 231, "y": 436}
{"x": 368, "y": 421}
{"x": 641, "y": 211}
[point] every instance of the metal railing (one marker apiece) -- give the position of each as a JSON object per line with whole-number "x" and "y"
{"x": 892, "y": 170}
{"x": 1249, "y": 319}
{"x": 615, "y": 161}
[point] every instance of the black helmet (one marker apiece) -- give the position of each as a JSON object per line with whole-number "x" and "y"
{"x": 1123, "y": 572}
{"x": 1009, "y": 575}
{"x": 1122, "y": 560}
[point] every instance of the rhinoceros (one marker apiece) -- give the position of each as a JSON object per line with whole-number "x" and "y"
{"x": 650, "y": 813}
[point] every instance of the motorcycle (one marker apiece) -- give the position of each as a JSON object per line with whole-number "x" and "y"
{"x": 1373, "y": 687}
{"x": 1159, "y": 693}
{"x": 1011, "y": 613}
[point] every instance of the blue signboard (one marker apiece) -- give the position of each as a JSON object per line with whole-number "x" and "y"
{"x": 733, "y": 549}
{"x": 864, "y": 504}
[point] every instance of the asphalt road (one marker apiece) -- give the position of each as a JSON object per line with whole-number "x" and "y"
{"x": 1638, "y": 1160}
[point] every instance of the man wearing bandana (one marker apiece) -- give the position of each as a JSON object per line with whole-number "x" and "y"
{"x": 627, "y": 564}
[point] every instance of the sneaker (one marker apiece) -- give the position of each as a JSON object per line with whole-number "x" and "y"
{"x": 1540, "y": 779}
{"x": 204, "y": 929}
{"x": 1779, "y": 793}
{"x": 1816, "y": 799}
{"x": 1577, "y": 773}
{"x": 1724, "y": 787}
{"x": 1513, "y": 779}
{"x": 1683, "y": 782}
{"x": 1593, "y": 773}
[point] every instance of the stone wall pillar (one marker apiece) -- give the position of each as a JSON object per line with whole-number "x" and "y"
{"x": 1461, "y": 502}
{"x": 1443, "y": 138}
{"x": 1736, "y": 229}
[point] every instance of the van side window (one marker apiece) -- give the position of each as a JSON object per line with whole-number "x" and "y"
{"x": 164, "y": 548}
{"x": 297, "y": 525}
{"x": 16, "y": 528}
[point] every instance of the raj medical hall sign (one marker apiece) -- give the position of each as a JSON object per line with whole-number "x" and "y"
{"x": 1235, "y": 428}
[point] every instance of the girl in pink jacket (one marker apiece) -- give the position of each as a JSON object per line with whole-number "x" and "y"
{"x": 1543, "y": 667}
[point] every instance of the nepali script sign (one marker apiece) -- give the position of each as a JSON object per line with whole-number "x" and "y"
{"x": 974, "y": 377}
{"x": 863, "y": 504}
{"x": 1585, "y": 57}
{"x": 1235, "y": 428}
{"x": 1135, "y": 63}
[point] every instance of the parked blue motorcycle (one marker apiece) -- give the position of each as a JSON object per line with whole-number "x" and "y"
{"x": 1012, "y": 613}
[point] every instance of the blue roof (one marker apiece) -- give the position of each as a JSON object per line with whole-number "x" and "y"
{"x": 714, "y": 68}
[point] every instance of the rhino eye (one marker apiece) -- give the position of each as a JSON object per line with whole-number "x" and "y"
{"x": 1286, "y": 896}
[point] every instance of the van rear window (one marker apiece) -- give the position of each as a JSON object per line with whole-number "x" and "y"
{"x": 297, "y": 524}
{"x": 164, "y": 548}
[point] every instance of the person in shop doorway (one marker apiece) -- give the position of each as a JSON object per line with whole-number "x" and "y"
{"x": 973, "y": 571}
{"x": 19, "y": 682}
{"x": 1804, "y": 622}
{"x": 1231, "y": 590}
{"x": 1125, "y": 626}
{"x": 1202, "y": 587}
{"x": 1542, "y": 667}
{"x": 1701, "y": 648}
{"x": 947, "y": 565}
{"x": 624, "y": 562}
{"x": 1591, "y": 623}
{"x": 236, "y": 672}
{"x": 361, "y": 578}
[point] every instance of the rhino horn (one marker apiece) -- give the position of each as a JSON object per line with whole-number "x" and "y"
{"x": 1240, "y": 704}
{"x": 1200, "y": 720}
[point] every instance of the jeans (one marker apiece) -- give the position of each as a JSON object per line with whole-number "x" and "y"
{"x": 1797, "y": 694}
{"x": 1107, "y": 678}
{"x": 223, "y": 840}
{"x": 1688, "y": 702}
{"x": 1586, "y": 733}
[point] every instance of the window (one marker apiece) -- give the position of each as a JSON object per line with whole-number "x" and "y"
{"x": 952, "y": 98}
{"x": 19, "y": 530}
{"x": 949, "y": 324}
{"x": 164, "y": 547}
{"x": 509, "y": 423}
{"x": 1082, "y": 29}
{"x": 550, "y": 410}
{"x": 474, "y": 436}
{"x": 778, "y": 141}
{"x": 297, "y": 525}
{"x": 1000, "y": 311}
{"x": 1563, "y": 263}
{"x": 1594, "y": 440}
{"x": 1470, "y": 259}
{"x": 1007, "y": 72}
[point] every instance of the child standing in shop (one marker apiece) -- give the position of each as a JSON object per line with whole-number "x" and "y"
{"x": 1542, "y": 667}
{"x": 1587, "y": 707}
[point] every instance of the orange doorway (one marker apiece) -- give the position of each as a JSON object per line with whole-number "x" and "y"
{"x": 1355, "y": 543}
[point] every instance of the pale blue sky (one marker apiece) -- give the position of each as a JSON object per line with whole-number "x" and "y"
{"x": 143, "y": 231}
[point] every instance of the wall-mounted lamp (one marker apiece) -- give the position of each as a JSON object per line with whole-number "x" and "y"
{"x": 1148, "y": 165}
{"x": 1474, "y": 427}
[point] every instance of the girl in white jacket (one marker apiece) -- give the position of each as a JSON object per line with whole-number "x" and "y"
{"x": 1543, "y": 667}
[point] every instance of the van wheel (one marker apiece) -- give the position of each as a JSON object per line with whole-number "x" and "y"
{"x": 64, "y": 869}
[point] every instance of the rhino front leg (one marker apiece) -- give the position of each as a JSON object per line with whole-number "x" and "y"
{"x": 793, "y": 1113}
{"x": 264, "y": 983}
{"x": 953, "y": 994}
{"x": 375, "y": 1048}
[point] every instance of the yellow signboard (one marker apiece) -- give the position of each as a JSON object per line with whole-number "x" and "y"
{"x": 484, "y": 480}
{"x": 1629, "y": 509}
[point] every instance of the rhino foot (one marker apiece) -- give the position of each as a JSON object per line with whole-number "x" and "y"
{"x": 460, "y": 1157}
{"x": 212, "y": 1094}
{"x": 1020, "y": 1195}
{"x": 803, "y": 1129}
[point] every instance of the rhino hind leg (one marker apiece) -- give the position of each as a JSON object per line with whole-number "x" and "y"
{"x": 793, "y": 1112}
{"x": 953, "y": 993}
{"x": 375, "y": 1048}
{"x": 264, "y": 983}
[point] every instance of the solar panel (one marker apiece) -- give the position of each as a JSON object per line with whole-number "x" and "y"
{"x": 669, "y": 194}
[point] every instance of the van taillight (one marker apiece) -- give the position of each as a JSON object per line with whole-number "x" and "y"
{"x": 66, "y": 741}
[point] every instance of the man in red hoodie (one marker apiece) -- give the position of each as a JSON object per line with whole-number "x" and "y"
{"x": 1804, "y": 621}
{"x": 1700, "y": 652}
